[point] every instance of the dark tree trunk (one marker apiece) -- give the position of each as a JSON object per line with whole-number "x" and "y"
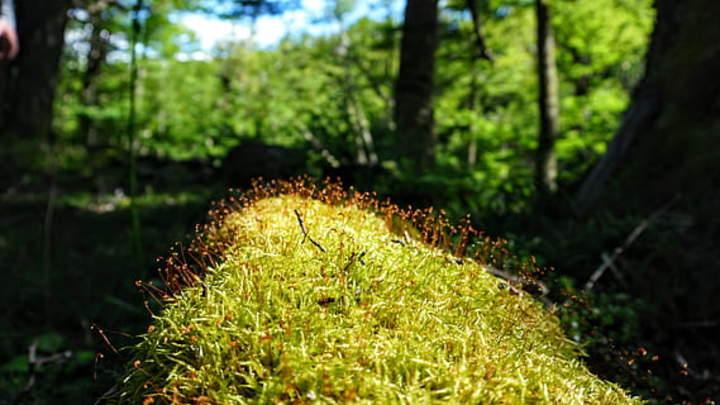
{"x": 674, "y": 111}
{"x": 96, "y": 57}
{"x": 545, "y": 160}
{"x": 28, "y": 86}
{"x": 669, "y": 145}
{"x": 481, "y": 48}
{"x": 414, "y": 86}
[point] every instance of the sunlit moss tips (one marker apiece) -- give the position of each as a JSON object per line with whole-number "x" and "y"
{"x": 310, "y": 298}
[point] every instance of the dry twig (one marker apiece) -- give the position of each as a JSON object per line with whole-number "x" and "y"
{"x": 305, "y": 232}
{"x": 608, "y": 261}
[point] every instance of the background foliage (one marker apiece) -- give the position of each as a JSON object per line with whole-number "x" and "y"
{"x": 328, "y": 98}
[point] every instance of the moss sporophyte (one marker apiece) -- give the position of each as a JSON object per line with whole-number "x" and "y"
{"x": 299, "y": 293}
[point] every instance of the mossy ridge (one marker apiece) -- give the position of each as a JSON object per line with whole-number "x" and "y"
{"x": 371, "y": 319}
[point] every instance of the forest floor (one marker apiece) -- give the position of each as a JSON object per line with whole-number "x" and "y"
{"x": 68, "y": 267}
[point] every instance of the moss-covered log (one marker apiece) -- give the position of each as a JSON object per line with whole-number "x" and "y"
{"x": 315, "y": 301}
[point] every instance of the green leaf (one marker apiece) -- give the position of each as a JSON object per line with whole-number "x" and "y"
{"x": 17, "y": 364}
{"x": 49, "y": 342}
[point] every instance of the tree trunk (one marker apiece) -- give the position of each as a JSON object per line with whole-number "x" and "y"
{"x": 545, "y": 160}
{"x": 414, "y": 86}
{"x": 28, "y": 86}
{"x": 96, "y": 57}
{"x": 668, "y": 145}
{"x": 670, "y": 129}
{"x": 481, "y": 48}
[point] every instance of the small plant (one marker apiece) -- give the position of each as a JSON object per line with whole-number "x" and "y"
{"x": 606, "y": 326}
{"x": 298, "y": 293}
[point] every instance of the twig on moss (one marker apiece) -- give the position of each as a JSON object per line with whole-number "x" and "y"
{"x": 305, "y": 232}
{"x": 353, "y": 258}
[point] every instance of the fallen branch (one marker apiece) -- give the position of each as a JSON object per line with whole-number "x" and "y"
{"x": 34, "y": 362}
{"x": 535, "y": 288}
{"x": 608, "y": 261}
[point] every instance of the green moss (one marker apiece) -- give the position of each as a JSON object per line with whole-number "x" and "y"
{"x": 351, "y": 312}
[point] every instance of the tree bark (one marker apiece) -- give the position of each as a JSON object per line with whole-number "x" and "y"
{"x": 545, "y": 159}
{"x": 414, "y": 86}
{"x": 674, "y": 108}
{"x": 481, "y": 48}
{"x": 668, "y": 145}
{"x": 28, "y": 85}
{"x": 96, "y": 58}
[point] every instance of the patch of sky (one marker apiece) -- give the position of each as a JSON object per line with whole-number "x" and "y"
{"x": 311, "y": 17}
{"x": 208, "y": 31}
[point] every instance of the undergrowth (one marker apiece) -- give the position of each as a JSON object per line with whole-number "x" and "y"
{"x": 304, "y": 294}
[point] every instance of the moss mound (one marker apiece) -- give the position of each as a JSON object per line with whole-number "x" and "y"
{"x": 312, "y": 302}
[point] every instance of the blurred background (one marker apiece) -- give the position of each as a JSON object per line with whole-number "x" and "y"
{"x": 583, "y": 132}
